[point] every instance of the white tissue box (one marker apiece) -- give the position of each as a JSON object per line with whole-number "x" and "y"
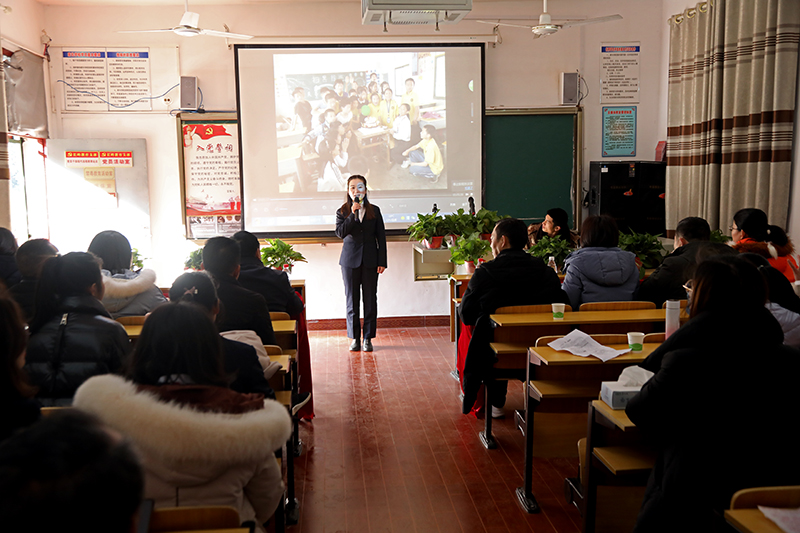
{"x": 616, "y": 395}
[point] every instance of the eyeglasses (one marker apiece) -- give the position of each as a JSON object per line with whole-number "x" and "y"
{"x": 732, "y": 228}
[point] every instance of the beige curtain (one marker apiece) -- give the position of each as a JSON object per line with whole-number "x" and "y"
{"x": 732, "y": 72}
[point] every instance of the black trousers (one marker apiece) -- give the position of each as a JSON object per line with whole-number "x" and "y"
{"x": 358, "y": 280}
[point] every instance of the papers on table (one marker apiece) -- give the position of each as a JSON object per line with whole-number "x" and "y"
{"x": 580, "y": 344}
{"x": 786, "y": 519}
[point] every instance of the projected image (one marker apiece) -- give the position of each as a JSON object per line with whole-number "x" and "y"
{"x": 378, "y": 114}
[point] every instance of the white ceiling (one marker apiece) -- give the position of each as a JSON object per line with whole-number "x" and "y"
{"x": 201, "y": 2}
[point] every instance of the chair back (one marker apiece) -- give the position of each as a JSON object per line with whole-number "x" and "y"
{"x": 47, "y": 411}
{"x": 273, "y": 349}
{"x": 194, "y": 518}
{"x": 602, "y": 338}
{"x": 654, "y": 338}
{"x": 137, "y": 320}
{"x": 541, "y": 308}
{"x": 788, "y": 496}
{"x": 527, "y": 335}
{"x": 644, "y": 327}
{"x": 278, "y": 315}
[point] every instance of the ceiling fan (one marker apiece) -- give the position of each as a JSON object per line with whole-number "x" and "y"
{"x": 547, "y": 27}
{"x": 188, "y": 27}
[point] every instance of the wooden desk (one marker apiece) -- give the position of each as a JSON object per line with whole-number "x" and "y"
{"x": 285, "y": 329}
{"x": 579, "y": 318}
{"x": 457, "y": 289}
{"x": 751, "y": 521}
{"x": 562, "y": 382}
{"x": 373, "y": 137}
{"x": 299, "y": 286}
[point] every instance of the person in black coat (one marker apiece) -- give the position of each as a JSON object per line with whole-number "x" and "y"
{"x": 720, "y": 407}
{"x": 30, "y": 259}
{"x": 666, "y": 282}
{"x": 241, "y": 309}
{"x": 513, "y": 277}
{"x": 241, "y": 360}
{"x": 272, "y": 284}
{"x": 72, "y": 335}
{"x": 360, "y": 224}
{"x": 9, "y": 275}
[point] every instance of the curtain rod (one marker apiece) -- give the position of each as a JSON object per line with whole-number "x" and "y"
{"x": 9, "y": 41}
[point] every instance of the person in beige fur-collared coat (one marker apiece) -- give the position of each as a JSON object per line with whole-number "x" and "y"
{"x": 201, "y": 443}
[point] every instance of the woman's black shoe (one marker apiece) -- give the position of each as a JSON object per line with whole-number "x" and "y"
{"x": 367, "y": 345}
{"x": 355, "y": 346}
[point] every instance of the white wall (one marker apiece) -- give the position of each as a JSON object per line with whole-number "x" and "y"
{"x": 519, "y": 72}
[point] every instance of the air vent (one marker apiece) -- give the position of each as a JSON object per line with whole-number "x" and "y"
{"x": 414, "y": 11}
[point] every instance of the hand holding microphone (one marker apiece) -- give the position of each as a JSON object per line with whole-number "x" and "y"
{"x": 357, "y": 203}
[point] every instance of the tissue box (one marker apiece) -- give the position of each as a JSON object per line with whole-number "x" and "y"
{"x": 616, "y": 395}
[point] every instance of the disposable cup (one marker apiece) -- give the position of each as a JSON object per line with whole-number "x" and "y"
{"x": 635, "y": 341}
{"x": 558, "y": 311}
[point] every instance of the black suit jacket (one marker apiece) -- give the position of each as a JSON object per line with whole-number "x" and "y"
{"x": 243, "y": 309}
{"x": 272, "y": 284}
{"x": 241, "y": 360}
{"x": 666, "y": 282}
{"x": 364, "y": 241}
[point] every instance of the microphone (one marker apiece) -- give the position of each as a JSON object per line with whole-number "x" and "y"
{"x": 357, "y": 199}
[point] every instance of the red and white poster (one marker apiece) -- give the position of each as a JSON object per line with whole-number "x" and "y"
{"x": 211, "y": 179}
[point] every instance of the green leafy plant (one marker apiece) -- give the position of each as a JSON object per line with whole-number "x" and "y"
{"x": 551, "y": 246}
{"x": 486, "y": 220}
{"x": 278, "y": 253}
{"x": 469, "y": 248}
{"x": 137, "y": 261}
{"x": 194, "y": 260}
{"x": 459, "y": 223}
{"x": 426, "y": 227}
{"x": 718, "y": 236}
{"x": 648, "y": 248}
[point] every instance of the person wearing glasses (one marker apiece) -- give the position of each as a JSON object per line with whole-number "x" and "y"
{"x": 751, "y": 233}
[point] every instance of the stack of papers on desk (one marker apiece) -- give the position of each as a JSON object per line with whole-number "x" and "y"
{"x": 786, "y": 519}
{"x": 580, "y": 344}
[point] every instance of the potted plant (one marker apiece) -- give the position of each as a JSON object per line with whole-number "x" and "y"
{"x": 469, "y": 249}
{"x": 457, "y": 224}
{"x": 648, "y": 249}
{"x": 137, "y": 261}
{"x": 551, "y": 246}
{"x": 280, "y": 255}
{"x": 485, "y": 222}
{"x": 194, "y": 260}
{"x": 718, "y": 236}
{"x": 429, "y": 229}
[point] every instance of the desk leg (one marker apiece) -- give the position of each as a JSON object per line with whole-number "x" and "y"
{"x": 590, "y": 490}
{"x": 454, "y": 372}
{"x": 292, "y": 515}
{"x": 487, "y": 439}
{"x": 525, "y": 495}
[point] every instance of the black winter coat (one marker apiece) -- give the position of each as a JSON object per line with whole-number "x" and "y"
{"x": 243, "y": 309}
{"x": 79, "y": 342}
{"x": 666, "y": 282}
{"x": 272, "y": 284}
{"x": 720, "y": 410}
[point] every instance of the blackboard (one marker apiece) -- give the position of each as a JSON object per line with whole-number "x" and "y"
{"x": 532, "y": 161}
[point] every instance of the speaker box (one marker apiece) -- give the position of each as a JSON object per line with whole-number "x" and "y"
{"x": 569, "y": 88}
{"x": 188, "y": 92}
{"x": 631, "y": 192}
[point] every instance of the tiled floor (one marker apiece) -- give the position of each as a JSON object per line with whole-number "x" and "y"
{"x": 389, "y": 450}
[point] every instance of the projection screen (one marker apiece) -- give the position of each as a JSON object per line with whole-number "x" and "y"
{"x": 408, "y": 117}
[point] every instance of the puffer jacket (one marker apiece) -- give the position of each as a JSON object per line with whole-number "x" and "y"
{"x": 196, "y": 457}
{"x": 600, "y": 275}
{"x": 131, "y": 293}
{"x": 779, "y": 257}
{"x": 79, "y": 342}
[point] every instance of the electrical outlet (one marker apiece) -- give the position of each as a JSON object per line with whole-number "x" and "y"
{"x": 167, "y": 100}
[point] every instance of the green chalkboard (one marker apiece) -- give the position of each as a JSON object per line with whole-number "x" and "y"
{"x": 532, "y": 161}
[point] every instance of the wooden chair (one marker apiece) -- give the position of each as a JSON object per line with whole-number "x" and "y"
{"x": 644, "y": 327}
{"x": 47, "y": 411}
{"x": 279, "y": 315}
{"x": 194, "y": 518}
{"x": 131, "y": 320}
{"x": 788, "y": 496}
{"x": 654, "y": 337}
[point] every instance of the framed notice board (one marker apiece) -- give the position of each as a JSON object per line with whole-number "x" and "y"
{"x": 533, "y": 161}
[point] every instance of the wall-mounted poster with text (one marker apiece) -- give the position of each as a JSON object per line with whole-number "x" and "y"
{"x": 211, "y": 188}
{"x": 619, "y": 131}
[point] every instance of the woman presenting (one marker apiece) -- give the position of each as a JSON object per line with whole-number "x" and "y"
{"x": 363, "y": 257}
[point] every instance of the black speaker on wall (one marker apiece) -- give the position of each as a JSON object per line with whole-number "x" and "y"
{"x": 631, "y": 192}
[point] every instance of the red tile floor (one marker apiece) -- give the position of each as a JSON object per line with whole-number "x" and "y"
{"x": 390, "y": 451}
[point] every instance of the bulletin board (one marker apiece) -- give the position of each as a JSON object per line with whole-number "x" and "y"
{"x": 210, "y": 174}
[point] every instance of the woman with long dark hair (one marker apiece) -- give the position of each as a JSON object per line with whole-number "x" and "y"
{"x": 360, "y": 224}
{"x": 203, "y": 443}
{"x": 751, "y": 233}
{"x": 17, "y": 406}
{"x": 728, "y": 368}
{"x": 9, "y": 275}
{"x": 72, "y": 335}
{"x": 127, "y": 293}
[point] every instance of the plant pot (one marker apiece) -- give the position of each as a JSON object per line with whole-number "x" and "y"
{"x": 486, "y": 236}
{"x": 451, "y": 240}
{"x": 470, "y": 267}
{"x": 433, "y": 244}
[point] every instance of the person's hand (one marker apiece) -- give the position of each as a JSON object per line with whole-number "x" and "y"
{"x": 345, "y": 143}
{"x": 356, "y": 206}
{"x": 381, "y": 270}
{"x": 406, "y": 153}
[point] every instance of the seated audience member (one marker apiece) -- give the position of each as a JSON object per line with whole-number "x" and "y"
{"x": 17, "y": 408}
{"x": 741, "y": 391}
{"x": 30, "y": 258}
{"x": 555, "y": 223}
{"x": 241, "y": 309}
{"x": 599, "y": 271}
{"x": 388, "y": 107}
{"x": 127, "y": 293}
{"x": 667, "y": 281}
{"x": 72, "y": 335}
{"x": 202, "y": 443}
{"x": 751, "y": 233}
{"x": 425, "y": 158}
{"x": 302, "y": 110}
{"x": 9, "y": 275}
{"x": 67, "y": 472}
{"x": 513, "y": 277}
{"x": 241, "y": 360}
{"x": 272, "y": 284}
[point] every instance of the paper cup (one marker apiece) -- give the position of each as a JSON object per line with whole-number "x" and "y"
{"x": 558, "y": 311}
{"x": 635, "y": 341}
